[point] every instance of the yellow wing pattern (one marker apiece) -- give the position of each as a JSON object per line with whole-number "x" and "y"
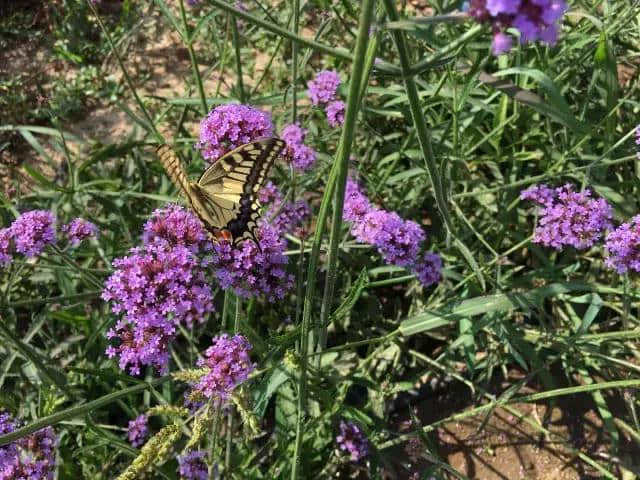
{"x": 225, "y": 196}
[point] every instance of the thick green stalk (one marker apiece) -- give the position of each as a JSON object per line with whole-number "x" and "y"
{"x": 192, "y": 57}
{"x": 338, "y": 172}
{"x": 336, "y": 222}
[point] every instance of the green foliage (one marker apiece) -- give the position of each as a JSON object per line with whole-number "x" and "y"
{"x": 437, "y": 129}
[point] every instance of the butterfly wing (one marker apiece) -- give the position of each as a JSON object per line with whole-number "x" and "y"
{"x": 229, "y": 188}
{"x": 198, "y": 201}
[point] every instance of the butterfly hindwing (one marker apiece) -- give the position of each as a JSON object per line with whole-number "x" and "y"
{"x": 225, "y": 196}
{"x": 233, "y": 182}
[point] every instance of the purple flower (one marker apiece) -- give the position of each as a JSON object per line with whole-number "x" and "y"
{"x": 638, "y": 140}
{"x": 300, "y": 154}
{"x": 32, "y": 231}
{"x": 352, "y": 441}
{"x": 229, "y": 126}
{"x": 253, "y": 271}
{"x": 397, "y": 240}
{"x": 428, "y": 269}
{"x": 535, "y": 19}
{"x": 283, "y": 218}
{"x": 568, "y": 217}
{"x": 497, "y": 7}
{"x": 174, "y": 225}
{"x": 623, "y": 247}
{"x": 78, "y": 230}
{"x": 356, "y": 203}
{"x": 322, "y": 89}
{"x": 138, "y": 430}
{"x": 228, "y": 364}
{"x": 192, "y": 465}
{"x": 29, "y": 458}
{"x": 335, "y": 113}
{"x": 269, "y": 194}
{"x": 5, "y": 247}
{"x": 502, "y": 43}
{"x": 155, "y": 289}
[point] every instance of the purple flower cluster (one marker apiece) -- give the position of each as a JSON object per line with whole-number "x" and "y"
{"x": 623, "y": 247}
{"x": 301, "y": 155}
{"x": 428, "y": 269}
{"x": 5, "y": 247}
{"x": 323, "y": 88}
{"x": 78, "y": 230}
{"x": 251, "y": 270}
{"x": 229, "y": 126}
{"x": 396, "y": 239}
{"x": 32, "y": 231}
{"x": 335, "y": 113}
{"x": 158, "y": 287}
{"x": 352, "y": 440}
{"x": 138, "y": 430}
{"x": 228, "y": 364}
{"x": 535, "y": 19}
{"x": 638, "y": 139}
{"x": 567, "y": 217}
{"x": 282, "y": 217}
{"x": 172, "y": 226}
{"x": 192, "y": 465}
{"x": 323, "y": 91}
{"x": 30, "y": 458}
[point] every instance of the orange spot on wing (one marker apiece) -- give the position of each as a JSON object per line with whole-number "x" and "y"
{"x": 223, "y": 235}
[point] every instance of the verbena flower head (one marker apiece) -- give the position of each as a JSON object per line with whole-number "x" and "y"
{"x": 638, "y": 139}
{"x": 428, "y": 269}
{"x": 323, "y": 88}
{"x": 228, "y": 364}
{"x": 356, "y": 203}
{"x": 138, "y": 430}
{"x": 535, "y": 19}
{"x": 29, "y": 458}
{"x": 335, "y": 113}
{"x": 5, "y": 247}
{"x": 78, "y": 230}
{"x": 270, "y": 193}
{"x": 32, "y": 231}
{"x": 229, "y": 126}
{"x": 252, "y": 271}
{"x": 193, "y": 466}
{"x": 623, "y": 247}
{"x": 155, "y": 288}
{"x": 569, "y": 218}
{"x": 352, "y": 440}
{"x": 302, "y": 156}
{"x": 397, "y": 240}
{"x": 175, "y": 225}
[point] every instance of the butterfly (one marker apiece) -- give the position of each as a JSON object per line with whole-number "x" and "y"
{"x": 225, "y": 196}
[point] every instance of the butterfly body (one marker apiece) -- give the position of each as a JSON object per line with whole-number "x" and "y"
{"x": 225, "y": 196}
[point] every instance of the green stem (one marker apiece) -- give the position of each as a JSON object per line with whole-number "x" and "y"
{"x": 79, "y": 410}
{"x": 358, "y": 90}
{"x": 127, "y": 78}
{"x": 236, "y": 46}
{"x": 424, "y": 136}
{"x": 294, "y": 61}
{"x": 338, "y": 172}
{"x": 192, "y": 57}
